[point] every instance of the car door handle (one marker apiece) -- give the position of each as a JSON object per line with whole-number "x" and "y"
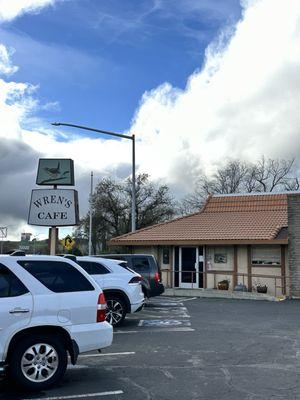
{"x": 19, "y": 311}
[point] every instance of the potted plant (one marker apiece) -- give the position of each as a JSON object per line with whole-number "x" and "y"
{"x": 223, "y": 285}
{"x": 261, "y": 288}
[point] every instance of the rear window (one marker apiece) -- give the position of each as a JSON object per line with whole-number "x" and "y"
{"x": 140, "y": 264}
{"x": 59, "y": 277}
{"x": 10, "y": 285}
{"x": 93, "y": 268}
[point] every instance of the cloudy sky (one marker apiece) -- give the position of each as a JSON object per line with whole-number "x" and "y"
{"x": 197, "y": 82}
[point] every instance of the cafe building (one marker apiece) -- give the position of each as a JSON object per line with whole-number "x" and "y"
{"x": 237, "y": 242}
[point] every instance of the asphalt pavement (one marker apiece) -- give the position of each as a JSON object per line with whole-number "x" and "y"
{"x": 181, "y": 348}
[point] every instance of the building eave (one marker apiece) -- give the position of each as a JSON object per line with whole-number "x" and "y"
{"x": 195, "y": 242}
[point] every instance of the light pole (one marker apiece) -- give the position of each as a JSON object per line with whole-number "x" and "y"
{"x": 132, "y": 138}
{"x": 91, "y": 216}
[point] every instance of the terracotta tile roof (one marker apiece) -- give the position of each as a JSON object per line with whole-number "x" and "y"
{"x": 223, "y": 218}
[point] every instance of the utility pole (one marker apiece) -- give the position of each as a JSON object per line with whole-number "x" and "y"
{"x": 91, "y": 216}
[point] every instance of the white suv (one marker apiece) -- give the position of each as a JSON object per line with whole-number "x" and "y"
{"x": 49, "y": 308}
{"x": 121, "y": 286}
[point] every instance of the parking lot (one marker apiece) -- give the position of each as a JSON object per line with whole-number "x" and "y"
{"x": 191, "y": 349}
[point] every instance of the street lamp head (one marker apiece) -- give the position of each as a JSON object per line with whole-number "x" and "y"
{"x": 55, "y": 123}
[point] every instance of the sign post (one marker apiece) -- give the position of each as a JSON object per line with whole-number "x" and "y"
{"x": 54, "y": 207}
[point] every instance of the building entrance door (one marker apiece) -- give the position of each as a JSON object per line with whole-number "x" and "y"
{"x": 188, "y": 267}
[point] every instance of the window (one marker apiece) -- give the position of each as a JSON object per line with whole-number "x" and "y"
{"x": 57, "y": 276}
{"x": 10, "y": 285}
{"x": 93, "y": 268}
{"x": 270, "y": 255}
{"x": 166, "y": 255}
{"x": 140, "y": 264}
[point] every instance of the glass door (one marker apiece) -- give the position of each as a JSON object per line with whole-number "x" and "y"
{"x": 188, "y": 267}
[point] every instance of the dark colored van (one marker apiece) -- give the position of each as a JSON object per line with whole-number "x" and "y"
{"x": 145, "y": 265}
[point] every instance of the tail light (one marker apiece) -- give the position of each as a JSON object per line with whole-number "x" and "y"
{"x": 157, "y": 277}
{"x": 101, "y": 308}
{"x": 135, "y": 279}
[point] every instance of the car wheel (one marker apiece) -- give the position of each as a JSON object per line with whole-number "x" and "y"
{"x": 116, "y": 310}
{"x": 38, "y": 362}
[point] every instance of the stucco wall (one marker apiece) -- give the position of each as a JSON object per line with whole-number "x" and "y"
{"x": 211, "y": 264}
{"x": 270, "y": 282}
{"x": 242, "y": 263}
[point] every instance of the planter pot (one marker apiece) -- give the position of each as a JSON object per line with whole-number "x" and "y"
{"x": 223, "y": 286}
{"x": 262, "y": 289}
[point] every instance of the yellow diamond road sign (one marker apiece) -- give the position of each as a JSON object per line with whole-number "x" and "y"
{"x": 68, "y": 242}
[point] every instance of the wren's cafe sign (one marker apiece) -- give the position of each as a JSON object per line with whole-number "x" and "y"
{"x": 54, "y": 207}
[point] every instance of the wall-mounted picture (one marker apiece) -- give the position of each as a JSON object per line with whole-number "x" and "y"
{"x": 220, "y": 258}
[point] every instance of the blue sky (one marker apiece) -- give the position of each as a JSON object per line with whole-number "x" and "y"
{"x": 94, "y": 59}
{"x": 198, "y": 81}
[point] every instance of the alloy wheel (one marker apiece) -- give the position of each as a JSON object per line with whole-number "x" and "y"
{"x": 114, "y": 311}
{"x": 39, "y": 362}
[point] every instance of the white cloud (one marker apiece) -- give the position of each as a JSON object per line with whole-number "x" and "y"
{"x": 244, "y": 102}
{"x": 10, "y": 9}
{"x": 6, "y": 67}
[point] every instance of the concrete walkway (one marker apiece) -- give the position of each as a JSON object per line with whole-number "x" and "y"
{"x": 222, "y": 294}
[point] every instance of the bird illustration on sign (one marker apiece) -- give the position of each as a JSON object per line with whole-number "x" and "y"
{"x": 52, "y": 174}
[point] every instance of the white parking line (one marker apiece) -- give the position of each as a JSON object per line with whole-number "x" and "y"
{"x": 78, "y": 366}
{"x": 80, "y": 396}
{"x": 124, "y": 353}
{"x": 189, "y": 299}
{"x": 179, "y": 329}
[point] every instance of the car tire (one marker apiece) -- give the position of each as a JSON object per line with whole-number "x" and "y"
{"x": 38, "y": 362}
{"x": 116, "y": 309}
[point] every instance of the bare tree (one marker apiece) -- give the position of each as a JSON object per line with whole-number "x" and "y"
{"x": 230, "y": 178}
{"x": 291, "y": 184}
{"x": 271, "y": 174}
{"x": 266, "y": 175}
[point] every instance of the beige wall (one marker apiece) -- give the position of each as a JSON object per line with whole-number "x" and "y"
{"x": 270, "y": 282}
{"x": 242, "y": 262}
{"x": 211, "y": 265}
{"x": 145, "y": 250}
